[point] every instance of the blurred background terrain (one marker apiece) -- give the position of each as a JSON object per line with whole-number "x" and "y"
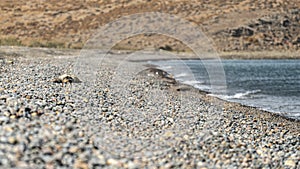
{"x": 234, "y": 25}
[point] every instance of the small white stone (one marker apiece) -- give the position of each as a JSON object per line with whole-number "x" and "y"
{"x": 290, "y": 162}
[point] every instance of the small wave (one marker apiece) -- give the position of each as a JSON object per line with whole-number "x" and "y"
{"x": 203, "y": 87}
{"x": 192, "y": 82}
{"x": 166, "y": 67}
{"x": 181, "y": 75}
{"x": 244, "y": 95}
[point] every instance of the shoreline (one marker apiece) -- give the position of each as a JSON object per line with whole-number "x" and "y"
{"x": 211, "y": 97}
{"x": 234, "y": 105}
{"x": 17, "y": 51}
{"x": 293, "y": 124}
{"x": 152, "y": 122}
{"x": 247, "y": 55}
{"x": 207, "y": 94}
{"x": 215, "y": 99}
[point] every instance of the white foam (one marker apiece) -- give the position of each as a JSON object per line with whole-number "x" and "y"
{"x": 166, "y": 68}
{"x": 243, "y": 95}
{"x": 192, "y": 82}
{"x": 181, "y": 75}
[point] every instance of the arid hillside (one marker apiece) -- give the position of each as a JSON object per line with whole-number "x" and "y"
{"x": 235, "y": 25}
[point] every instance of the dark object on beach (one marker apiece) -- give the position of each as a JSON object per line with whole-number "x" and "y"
{"x": 182, "y": 88}
{"x": 161, "y": 73}
{"x": 66, "y": 78}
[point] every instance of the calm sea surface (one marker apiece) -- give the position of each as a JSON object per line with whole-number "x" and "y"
{"x": 272, "y": 85}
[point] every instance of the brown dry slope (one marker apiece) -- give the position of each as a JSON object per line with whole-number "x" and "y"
{"x": 235, "y": 25}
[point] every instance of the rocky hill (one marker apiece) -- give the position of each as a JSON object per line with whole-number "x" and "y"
{"x": 235, "y": 25}
{"x": 278, "y": 31}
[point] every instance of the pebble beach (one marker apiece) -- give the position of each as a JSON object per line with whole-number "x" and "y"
{"x": 149, "y": 121}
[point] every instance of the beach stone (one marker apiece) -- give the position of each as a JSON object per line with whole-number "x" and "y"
{"x": 132, "y": 165}
{"x": 57, "y": 128}
{"x": 290, "y": 162}
{"x": 10, "y": 62}
{"x": 101, "y": 160}
{"x": 12, "y": 140}
{"x": 4, "y": 119}
{"x": 73, "y": 149}
{"x": 81, "y": 165}
{"x": 4, "y": 97}
{"x": 13, "y": 116}
{"x": 104, "y": 109}
{"x": 113, "y": 162}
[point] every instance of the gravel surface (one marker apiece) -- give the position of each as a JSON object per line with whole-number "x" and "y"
{"x": 142, "y": 121}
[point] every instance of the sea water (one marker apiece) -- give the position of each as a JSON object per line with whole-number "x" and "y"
{"x": 271, "y": 85}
